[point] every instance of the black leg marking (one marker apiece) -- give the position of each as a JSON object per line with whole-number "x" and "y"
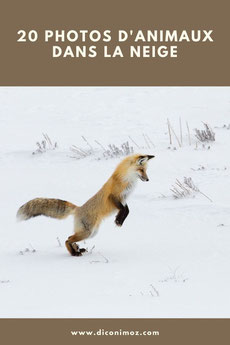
{"x": 70, "y": 248}
{"x": 83, "y": 250}
{"x": 78, "y": 254}
{"x": 123, "y": 210}
{"x": 78, "y": 250}
{"x": 121, "y": 216}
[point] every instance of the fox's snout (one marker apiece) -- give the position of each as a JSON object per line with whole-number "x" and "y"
{"x": 144, "y": 177}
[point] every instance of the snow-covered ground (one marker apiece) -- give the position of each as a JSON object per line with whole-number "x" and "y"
{"x": 171, "y": 258}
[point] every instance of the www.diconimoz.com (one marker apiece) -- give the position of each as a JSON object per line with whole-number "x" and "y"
{"x": 103, "y": 332}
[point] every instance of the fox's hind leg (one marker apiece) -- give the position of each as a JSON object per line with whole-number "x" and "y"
{"x": 73, "y": 247}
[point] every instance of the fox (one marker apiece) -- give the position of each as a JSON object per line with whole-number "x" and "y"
{"x": 111, "y": 198}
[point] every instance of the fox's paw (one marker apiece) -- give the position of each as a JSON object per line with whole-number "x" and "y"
{"x": 78, "y": 250}
{"x": 83, "y": 250}
{"x": 118, "y": 222}
{"x": 77, "y": 254}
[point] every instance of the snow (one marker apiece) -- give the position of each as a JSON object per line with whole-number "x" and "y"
{"x": 170, "y": 258}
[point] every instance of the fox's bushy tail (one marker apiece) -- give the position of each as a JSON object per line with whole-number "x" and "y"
{"x": 54, "y": 208}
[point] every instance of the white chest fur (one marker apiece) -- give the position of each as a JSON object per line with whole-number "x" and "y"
{"x": 131, "y": 178}
{"x": 128, "y": 190}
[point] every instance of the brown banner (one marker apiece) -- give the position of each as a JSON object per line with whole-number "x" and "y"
{"x": 113, "y": 331}
{"x": 203, "y": 63}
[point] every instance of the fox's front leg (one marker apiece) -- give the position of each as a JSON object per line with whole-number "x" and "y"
{"x": 123, "y": 210}
{"x": 122, "y": 215}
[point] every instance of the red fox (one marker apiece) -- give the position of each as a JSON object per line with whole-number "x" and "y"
{"x": 87, "y": 218}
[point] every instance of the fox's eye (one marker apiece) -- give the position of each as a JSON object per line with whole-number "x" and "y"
{"x": 141, "y": 170}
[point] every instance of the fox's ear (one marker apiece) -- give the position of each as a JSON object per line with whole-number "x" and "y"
{"x": 143, "y": 159}
{"x": 150, "y": 157}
